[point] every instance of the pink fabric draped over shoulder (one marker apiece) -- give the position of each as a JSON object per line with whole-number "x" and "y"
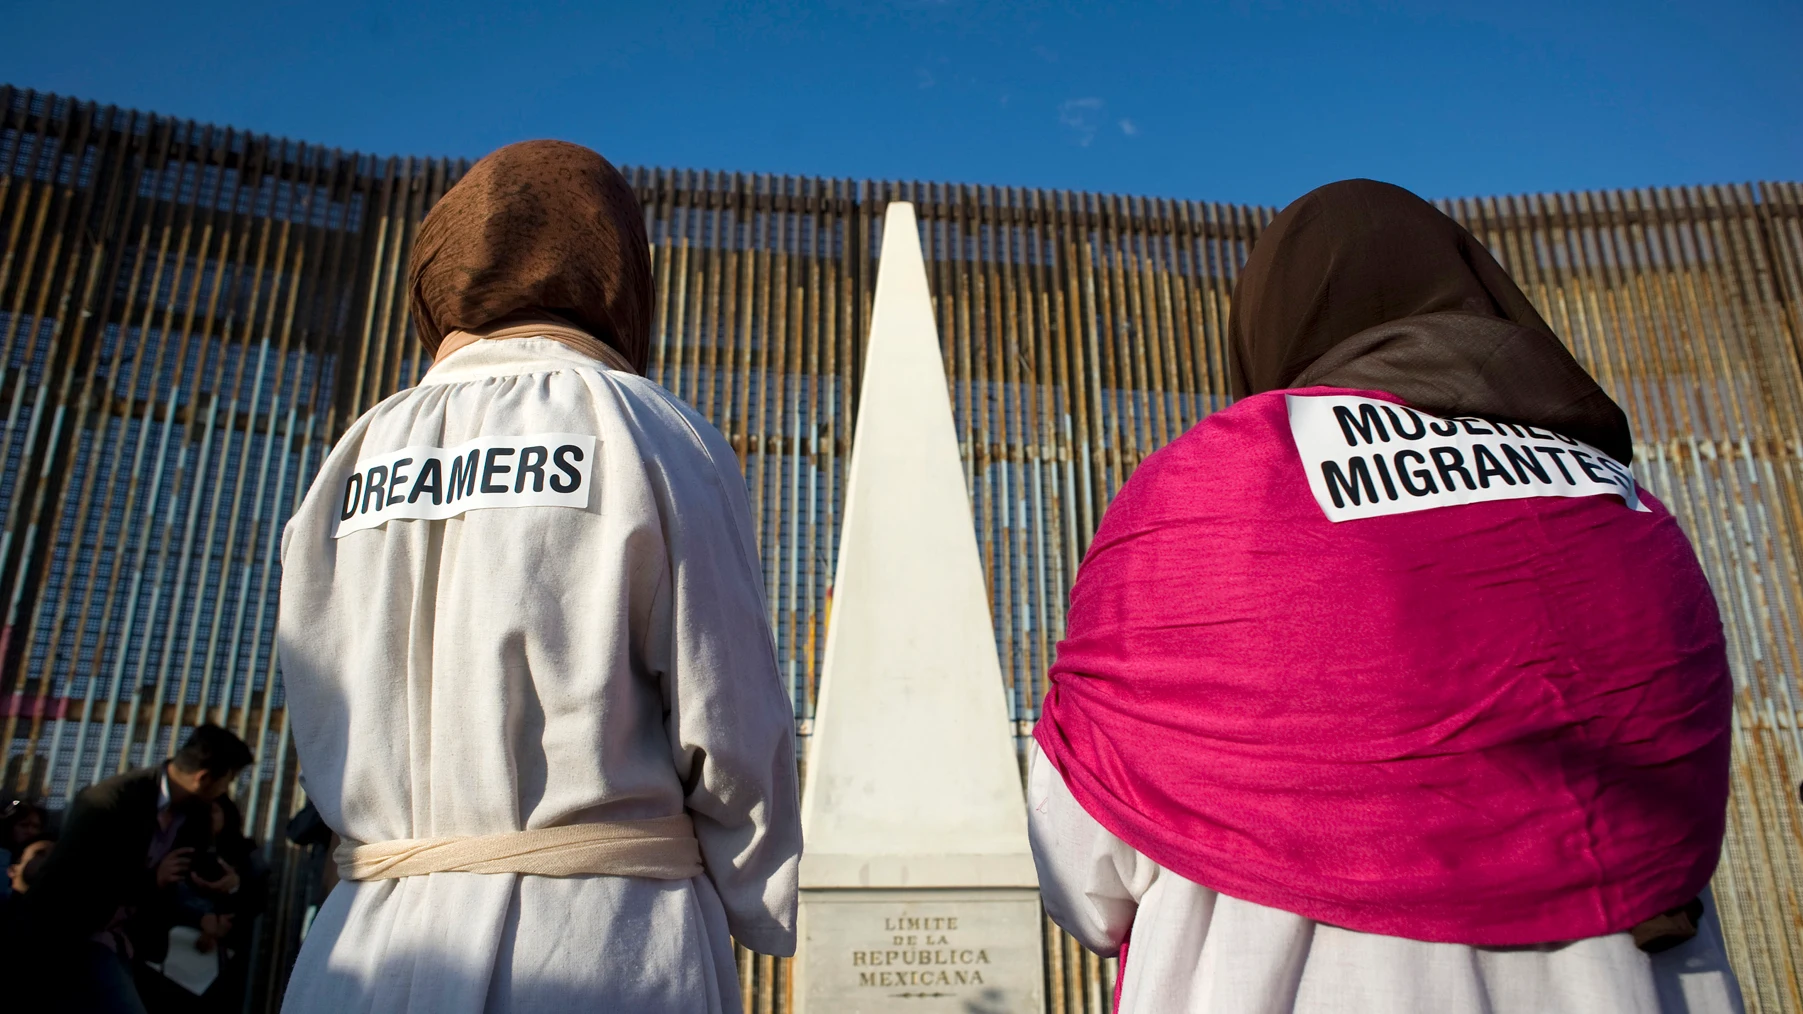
{"x": 1497, "y": 723}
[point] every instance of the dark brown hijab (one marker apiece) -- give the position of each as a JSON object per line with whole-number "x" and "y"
{"x": 534, "y": 229}
{"x": 1361, "y": 284}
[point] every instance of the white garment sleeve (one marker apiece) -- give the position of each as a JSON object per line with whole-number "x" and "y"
{"x": 1090, "y": 881}
{"x": 730, "y": 720}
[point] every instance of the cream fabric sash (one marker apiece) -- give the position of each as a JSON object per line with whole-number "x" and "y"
{"x": 663, "y": 848}
{"x": 564, "y": 334}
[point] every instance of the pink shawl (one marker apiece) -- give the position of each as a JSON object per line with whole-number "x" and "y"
{"x": 1496, "y": 723}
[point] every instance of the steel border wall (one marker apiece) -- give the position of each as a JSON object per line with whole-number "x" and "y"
{"x": 190, "y": 315}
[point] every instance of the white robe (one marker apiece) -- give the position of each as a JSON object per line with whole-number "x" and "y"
{"x": 523, "y": 667}
{"x": 1194, "y": 950}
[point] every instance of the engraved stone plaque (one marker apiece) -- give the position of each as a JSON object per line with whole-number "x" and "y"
{"x": 924, "y": 951}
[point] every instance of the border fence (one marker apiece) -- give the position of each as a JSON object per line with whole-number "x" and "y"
{"x": 190, "y": 315}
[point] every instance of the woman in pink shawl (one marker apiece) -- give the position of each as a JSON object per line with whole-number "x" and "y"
{"x": 1387, "y": 688}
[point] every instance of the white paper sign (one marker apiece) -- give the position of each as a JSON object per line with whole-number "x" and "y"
{"x": 186, "y": 965}
{"x": 433, "y": 483}
{"x": 1367, "y": 458}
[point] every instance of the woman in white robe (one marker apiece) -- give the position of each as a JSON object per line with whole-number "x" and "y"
{"x": 1295, "y": 765}
{"x": 537, "y": 656}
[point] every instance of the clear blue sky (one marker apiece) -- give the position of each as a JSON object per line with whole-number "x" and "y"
{"x": 1252, "y": 102}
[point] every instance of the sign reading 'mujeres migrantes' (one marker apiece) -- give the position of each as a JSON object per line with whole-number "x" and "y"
{"x": 1366, "y": 458}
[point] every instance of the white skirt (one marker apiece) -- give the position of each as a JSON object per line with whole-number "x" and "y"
{"x": 473, "y": 943}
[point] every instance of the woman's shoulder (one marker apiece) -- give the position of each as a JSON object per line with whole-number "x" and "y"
{"x": 1235, "y": 439}
{"x": 664, "y": 416}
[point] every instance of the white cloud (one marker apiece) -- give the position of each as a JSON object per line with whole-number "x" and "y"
{"x": 1082, "y": 117}
{"x": 924, "y": 78}
{"x": 1129, "y": 128}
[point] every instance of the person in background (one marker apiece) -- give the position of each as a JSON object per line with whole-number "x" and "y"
{"x": 525, "y": 643}
{"x": 317, "y": 870}
{"x": 1386, "y": 689}
{"x": 106, "y": 897}
{"x": 234, "y": 914}
{"x": 21, "y": 874}
{"x": 21, "y": 823}
{"x": 29, "y": 867}
{"x": 222, "y": 913}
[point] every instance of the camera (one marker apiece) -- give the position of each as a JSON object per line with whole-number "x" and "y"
{"x": 207, "y": 866}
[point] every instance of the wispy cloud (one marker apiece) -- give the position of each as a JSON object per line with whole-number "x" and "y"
{"x": 924, "y": 78}
{"x": 1081, "y": 117}
{"x": 1046, "y": 53}
{"x": 1129, "y": 128}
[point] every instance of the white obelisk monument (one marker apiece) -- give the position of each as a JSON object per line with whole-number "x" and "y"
{"x": 918, "y": 891}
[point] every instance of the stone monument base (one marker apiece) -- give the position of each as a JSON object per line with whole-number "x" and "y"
{"x": 920, "y": 950}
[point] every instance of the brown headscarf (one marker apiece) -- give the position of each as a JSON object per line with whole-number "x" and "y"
{"x": 536, "y": 228}
{"x": 1361, "y": 284}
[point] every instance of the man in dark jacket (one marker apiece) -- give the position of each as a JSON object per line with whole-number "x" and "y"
{"x": 125, "y": 844}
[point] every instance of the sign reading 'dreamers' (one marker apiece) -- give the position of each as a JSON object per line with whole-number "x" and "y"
{"x": 434, "y": 483}
{"x": 923, "y": 950}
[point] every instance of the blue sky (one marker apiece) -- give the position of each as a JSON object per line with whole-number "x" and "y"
{"x": 1253, "y": 102}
